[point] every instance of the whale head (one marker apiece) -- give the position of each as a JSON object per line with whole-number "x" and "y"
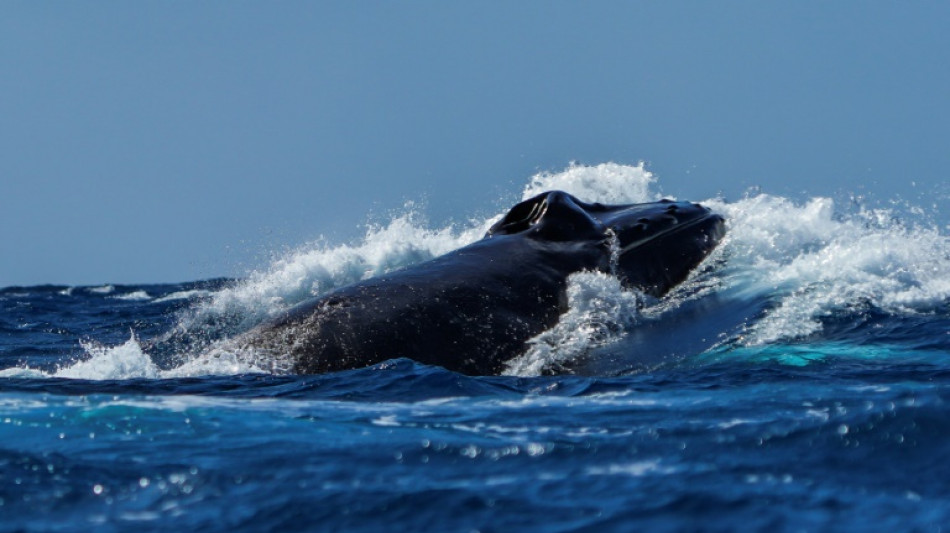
{"x": 650, "y": 246}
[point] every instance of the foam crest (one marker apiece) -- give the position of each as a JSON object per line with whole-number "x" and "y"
{"x": 812, "y": 264}
{"x": 599, "y": 311}
{"x": 317, "y": 268}
{"x": 126, "y": 361}
{"x": 771, "y": 229}
{"x": 129, "y": 361}
{"x": 183, "y": 295}
{"x": 104, "y": 289}
{"x": 133, "y": 296}
{"x": 608, "y": 183}
{"x": 220, "y": 362}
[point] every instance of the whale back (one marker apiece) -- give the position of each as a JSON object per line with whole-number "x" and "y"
{"x": 474, "y": 309}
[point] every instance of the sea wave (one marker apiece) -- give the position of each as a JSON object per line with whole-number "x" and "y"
{"x": 784, "y": 269}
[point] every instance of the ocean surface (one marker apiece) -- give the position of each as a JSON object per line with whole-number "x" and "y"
{"x": 799, "y": 381}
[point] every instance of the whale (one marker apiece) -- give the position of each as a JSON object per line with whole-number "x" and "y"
{"x": 474, "y": 309}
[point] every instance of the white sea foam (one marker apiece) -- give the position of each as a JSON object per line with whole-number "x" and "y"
{"x": 218, "y": 362}
{"x": 599, "y": 310}
{"x": 117, "y": 362}
{"x": 184, "y": 295}
{"x": 804, "y": 259}
{"x": 22, "y": 372}
{"x": 608, "y": 183}
{"x": 134, "y": 296}
{"x": 317, "y": 268}
{"x": 104, "y": 289}
{"x": 812, "y": 264}
{"x": 129, "y": 361}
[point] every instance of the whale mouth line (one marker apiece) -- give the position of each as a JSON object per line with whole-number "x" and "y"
{"x": 676, "y": 228}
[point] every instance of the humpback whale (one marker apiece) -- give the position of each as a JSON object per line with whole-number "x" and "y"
{"x": 474, "y": 309}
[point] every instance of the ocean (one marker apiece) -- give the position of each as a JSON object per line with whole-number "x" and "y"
{"x": 798, "y": 381}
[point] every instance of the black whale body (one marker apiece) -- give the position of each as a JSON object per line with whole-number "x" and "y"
{"x": 473, "y": 309}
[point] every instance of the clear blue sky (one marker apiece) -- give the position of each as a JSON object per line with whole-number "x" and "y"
{"x": 172, "y": 141}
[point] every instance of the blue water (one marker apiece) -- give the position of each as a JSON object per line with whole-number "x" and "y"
{"x": 799, "y": 382}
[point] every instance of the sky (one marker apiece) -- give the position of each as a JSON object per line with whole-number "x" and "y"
{"x": 146, "y": 142}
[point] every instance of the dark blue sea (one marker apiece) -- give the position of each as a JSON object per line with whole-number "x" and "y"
{"x": 799, "y": 381}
